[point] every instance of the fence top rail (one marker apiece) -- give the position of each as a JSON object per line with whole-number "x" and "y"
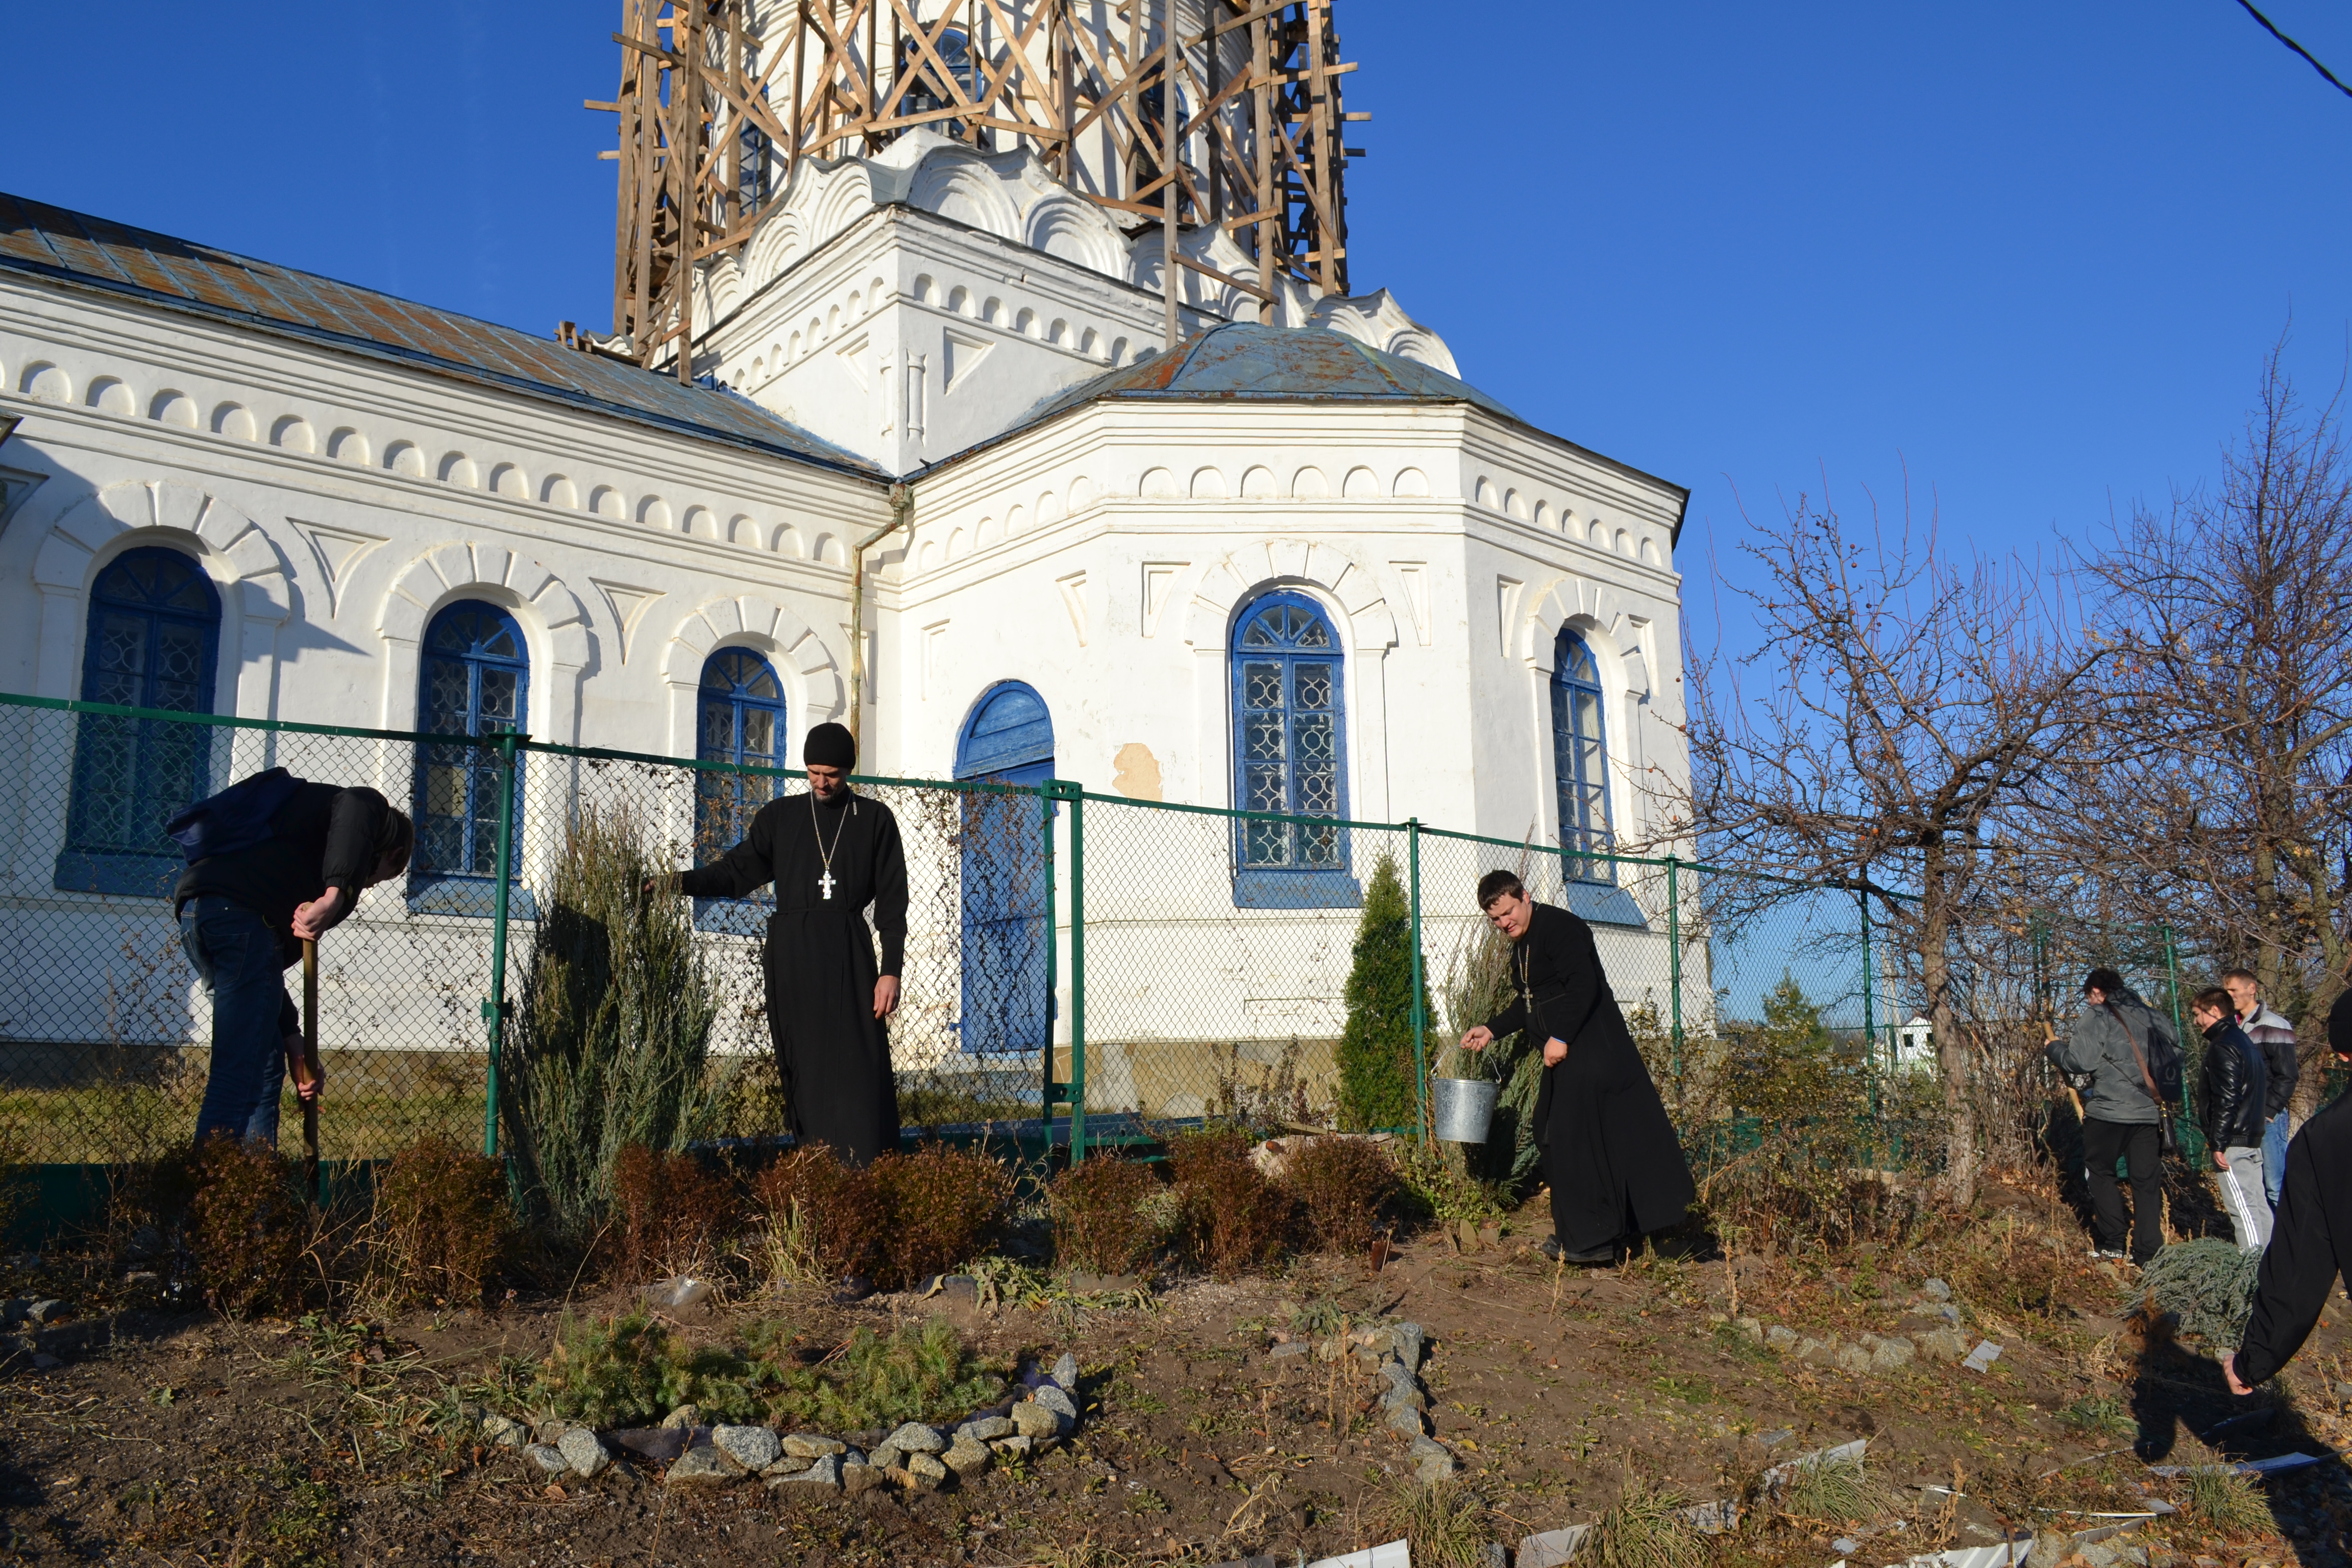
{"x": 522, "y": 742}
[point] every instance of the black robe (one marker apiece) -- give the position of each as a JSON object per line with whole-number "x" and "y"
{"x": 1615, "y": 1165}
{"x": 833, "y": 1055}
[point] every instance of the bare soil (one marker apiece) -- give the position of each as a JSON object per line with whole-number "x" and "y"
{"x": 192, "y": 1440}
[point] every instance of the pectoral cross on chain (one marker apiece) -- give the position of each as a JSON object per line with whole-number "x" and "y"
{"x": 825, "y": 883}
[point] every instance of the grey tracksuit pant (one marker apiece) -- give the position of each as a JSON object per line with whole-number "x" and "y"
{"x": 2242, "y": 1196}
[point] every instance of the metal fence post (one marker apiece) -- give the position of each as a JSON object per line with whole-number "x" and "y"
{"x": 2179, "y": 1031}
{"x": 1869, "y": 1005}
{"x": 495, "y": 1009}
{"x": 1074, "y": 795}
{"x": 1050, "y": 1087}
{"x": 1420, "y": 1013}
{"x": 1674, "y": 967}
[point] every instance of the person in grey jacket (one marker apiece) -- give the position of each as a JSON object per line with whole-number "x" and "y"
{"x": 2120, "y": 1115}
{"x": 2274, "y": 1037}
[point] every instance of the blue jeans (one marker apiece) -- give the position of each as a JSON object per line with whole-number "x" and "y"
{"x": 2274, "y": 1156}
{"x": 237, "y": 955}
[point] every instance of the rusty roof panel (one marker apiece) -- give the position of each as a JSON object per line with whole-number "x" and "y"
{"x": 74, "y": 247}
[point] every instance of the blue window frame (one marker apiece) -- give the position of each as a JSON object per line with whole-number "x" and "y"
{"x": 153, "y": 641}
{"x": 475, "y": 680}
{"x": 739, "y": 718}
{"x": 1008, "y": 738}
{"x": 1579, "y": 755}
{"x": 1290, "y": 743}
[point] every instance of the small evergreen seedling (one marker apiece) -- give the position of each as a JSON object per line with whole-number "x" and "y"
{"x": 1377, "y": 1069}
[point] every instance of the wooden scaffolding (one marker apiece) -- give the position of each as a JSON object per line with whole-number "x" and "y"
{"x": 1183, "y": 112}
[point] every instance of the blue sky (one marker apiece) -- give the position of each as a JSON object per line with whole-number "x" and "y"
{"x": 2029, "y": 256}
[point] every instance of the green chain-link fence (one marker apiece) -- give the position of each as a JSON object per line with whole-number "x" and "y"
{"x": 1079, "y": 967}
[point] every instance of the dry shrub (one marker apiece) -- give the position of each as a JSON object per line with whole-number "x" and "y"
{"x": 1343, "y": 1185}
{"x": 946, "y": 1206}
{"x": 442, "y": 1216}
{"x": 676, "y": 1216}
{"x": 1234, "y": 1219}
{"x": 1100, "y": 1223}
{"x": 248, "y": 1226}
{"x": 835, "y": 1211}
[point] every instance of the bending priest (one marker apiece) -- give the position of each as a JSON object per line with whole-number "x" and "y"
{"x": 830, "y": 852}
{"x": 1615, "y": 1166}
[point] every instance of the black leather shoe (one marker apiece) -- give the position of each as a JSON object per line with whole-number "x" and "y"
{"x": 1550, "y": 1248}
{"x": 1600, "y": 1256}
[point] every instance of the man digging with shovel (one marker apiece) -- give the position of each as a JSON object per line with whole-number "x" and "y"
{"x": 273, "y": 862}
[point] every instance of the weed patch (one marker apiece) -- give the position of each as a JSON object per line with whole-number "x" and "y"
{"x": 247, "y": 1225}
{"x": 441, "y": 1217}
{"x": 1234, "y": 1218}
{"x": 1099, "y": 1220}
{"x": 1344, "y": 1187}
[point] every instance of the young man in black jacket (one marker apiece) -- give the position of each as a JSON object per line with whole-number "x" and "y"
{"x": 2234, "y": 1093}
{"x": 2311, "y": 1242}
{"x": 244, "y": 916}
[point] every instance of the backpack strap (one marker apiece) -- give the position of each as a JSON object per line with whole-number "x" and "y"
{"x": 2145, "y": 1077}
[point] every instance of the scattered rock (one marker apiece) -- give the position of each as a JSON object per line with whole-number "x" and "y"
{"x": 42, "y": 1311}
{"x": 1031, "y": 1419}
{"x": 1845, "y": 1546}
{"x": 1405, "y": 1421}
{"x": 1780, "y": 1337}
{"x": 968, "y": 1456}
{"x": 1752, "y": 1328}
{"x": 1432, "y": 1460}
{"x": 825, "y": 1471}
{"x": 548, "y": 1458}
{"x": 12, "y": 1311}
{"x": 1891, "y": 1352}
{"x": 1066, "y": 1372}
{"x": 960, "y": 1287}
{"x": 885, "y": 1457}
{"x": 1851, "y": 1358}
{"x": 676, "y": 1295}
{"x": 1935, "y": 1291}
{"x": 1059, "y": 1403}
{"x": 1810, "y": 1349}
{"x": 1982, "y": 1358}
{"x": 752, "y": 1448}
{"x": 584, "y": 1452}
{"x": 925, "y": 1473}
{"x": 1295, "y": 1347}
{"x": 857, "y": 1478}
{"x": 702, "y": 1466}
{"x": 1013, "y": 1447}
{"x": 914, "y": 1437}
{"x": 814, "y": 1445}
{"x": 1406, "y": 1339}
{"x": 504, "y": 1432}
{"x": 986, "y": 1429}
{"x": 790, "y": 1465}
{"x": 1773, "y": 1439}
{"x": 683, "y": 1416}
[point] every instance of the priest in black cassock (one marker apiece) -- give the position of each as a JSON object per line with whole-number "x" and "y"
{"x": 830, "y": 852}
{"x": 1615, "y": 1165}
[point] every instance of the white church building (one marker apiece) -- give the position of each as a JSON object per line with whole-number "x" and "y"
{"x": 1295, "y": 562}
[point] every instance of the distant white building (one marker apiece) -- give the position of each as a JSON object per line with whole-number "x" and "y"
{"x": 1292, "y": 563}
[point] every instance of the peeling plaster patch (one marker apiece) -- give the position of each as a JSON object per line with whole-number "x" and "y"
{"x": 1139, "y": 771}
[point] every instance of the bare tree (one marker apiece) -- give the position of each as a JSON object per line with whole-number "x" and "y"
{"x": 2212, "y": 797}
{"x": 1907, "y": 698}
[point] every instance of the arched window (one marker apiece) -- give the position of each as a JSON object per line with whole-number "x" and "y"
{"x": 154, "y": 642}
{"x": 1004, "y": 875}
{"x": 1289, "y": 742}
{"x": 1579, "y": 755}
{"x": 740, "y": 719}
{"x": 475, "y": 681}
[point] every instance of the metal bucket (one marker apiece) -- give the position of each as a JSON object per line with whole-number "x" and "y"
{"x": 1463, "y": 1108}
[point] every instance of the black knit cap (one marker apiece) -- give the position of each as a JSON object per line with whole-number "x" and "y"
{"x": 829, "y": 746}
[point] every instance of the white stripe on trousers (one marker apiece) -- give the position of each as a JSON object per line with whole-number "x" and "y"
{"x": 2253, "y": 1234}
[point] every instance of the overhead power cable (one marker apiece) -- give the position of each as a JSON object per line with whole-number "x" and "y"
{"x": 2272, "y": 28}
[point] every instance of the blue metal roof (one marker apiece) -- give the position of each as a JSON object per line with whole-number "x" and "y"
{"x": 1243, "y": 361}
{"x": 44, "y": 241}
